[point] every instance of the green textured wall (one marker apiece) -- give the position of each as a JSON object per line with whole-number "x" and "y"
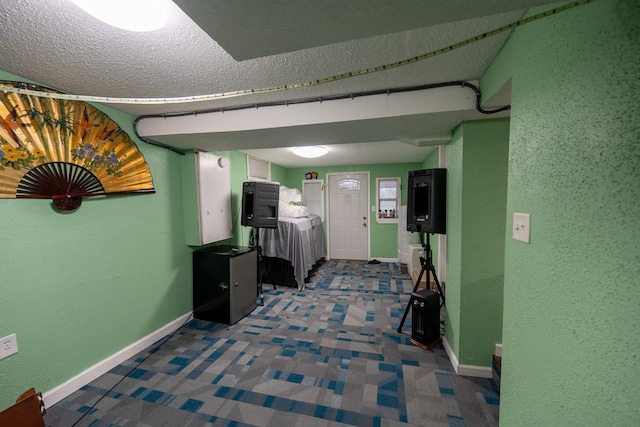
{"x": 571, "y": 335}
{"x": 477, "y": 161}
{"x": 278, "y": 173}
{"x": 190, "y": 198}
{"x": 453, "y": 292}
{"x": 483, "y": 231}
{"x": 238, "y": 176}
{"x": 431, "y": 162}
{"x": 80, "y": 286}
{"x": 384, "y": 237}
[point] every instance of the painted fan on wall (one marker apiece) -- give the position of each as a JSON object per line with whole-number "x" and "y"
{"x": 64, "y": 150}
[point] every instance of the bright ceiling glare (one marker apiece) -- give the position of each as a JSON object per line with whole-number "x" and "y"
{"x": 130, "y": 15}
{"x": 310, "y": 152}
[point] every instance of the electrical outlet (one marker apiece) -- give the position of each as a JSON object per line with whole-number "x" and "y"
{"x": 8, "y": 346}
{"x": 521, "y": 227}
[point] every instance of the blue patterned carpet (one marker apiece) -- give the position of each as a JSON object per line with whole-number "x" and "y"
{"x": 327, "y": 356}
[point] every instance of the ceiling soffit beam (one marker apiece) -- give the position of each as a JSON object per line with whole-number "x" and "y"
{"x": 394, "y": 104}
{"x": 431, "y": 141}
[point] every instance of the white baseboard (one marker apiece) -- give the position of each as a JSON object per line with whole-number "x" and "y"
{"x": 498, "y": 350}
{"x": 58, "y": 393}
{"x": 466, "y": 370}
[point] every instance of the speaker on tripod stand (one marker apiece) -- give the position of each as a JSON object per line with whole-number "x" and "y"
{"x": 260, "y": 210}
{"x": 260, "y": 204}
{"x": 427, "y": 201}
{"x": 426, "y": 212}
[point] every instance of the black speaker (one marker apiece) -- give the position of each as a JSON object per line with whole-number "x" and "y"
{"x": 260, "y": 204}
{"x": 425, "y": 318}
{"x": 427, "y": 201}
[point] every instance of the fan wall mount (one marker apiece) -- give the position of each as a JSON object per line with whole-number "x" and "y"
{"x": 64, "y": 150}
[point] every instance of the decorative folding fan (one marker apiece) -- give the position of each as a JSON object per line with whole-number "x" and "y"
{"x": 64, "y": 150}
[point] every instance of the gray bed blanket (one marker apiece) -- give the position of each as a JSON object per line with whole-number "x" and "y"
{"x": 297, "y": 240}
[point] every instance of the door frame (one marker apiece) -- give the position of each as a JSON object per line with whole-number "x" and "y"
{"x": 328, "y": 205}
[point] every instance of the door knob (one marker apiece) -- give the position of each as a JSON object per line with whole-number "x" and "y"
{"x": 364, "y": 224}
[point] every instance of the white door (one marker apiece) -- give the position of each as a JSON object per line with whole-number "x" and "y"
{"x": 349, "y": 216}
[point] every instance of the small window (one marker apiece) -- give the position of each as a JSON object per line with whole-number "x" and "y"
{"x": 258, "y": 169}
{"x": 388, "y": 199}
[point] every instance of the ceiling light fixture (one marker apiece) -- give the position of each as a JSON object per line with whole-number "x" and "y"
{"x": 310, "y": 152}
{"x": 130, "y": 15}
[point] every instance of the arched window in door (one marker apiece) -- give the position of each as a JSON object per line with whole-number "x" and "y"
{"x": 348, "y": 184}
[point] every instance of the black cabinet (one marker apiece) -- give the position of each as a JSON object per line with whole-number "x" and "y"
{"x": 225, "y": 283}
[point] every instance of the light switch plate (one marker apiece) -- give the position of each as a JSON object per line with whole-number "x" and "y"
{"x": 521, "y": 227}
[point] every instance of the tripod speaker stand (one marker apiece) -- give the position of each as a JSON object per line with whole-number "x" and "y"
{"x": 262, "y": 267}
{"x": 427, "y": 267}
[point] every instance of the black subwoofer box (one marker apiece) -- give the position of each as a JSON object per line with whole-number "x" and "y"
{"x": 425, "y": 318}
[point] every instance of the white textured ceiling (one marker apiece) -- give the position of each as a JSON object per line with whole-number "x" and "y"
{"x": 278, "y": 26}
{"x": 54, "y": 43}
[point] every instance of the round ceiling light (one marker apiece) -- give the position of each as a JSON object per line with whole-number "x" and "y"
{"x": 310, "y": 152}
{"x": 130, "y": 15}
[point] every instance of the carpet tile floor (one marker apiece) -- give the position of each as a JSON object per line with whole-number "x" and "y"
{"x": 326, "y": 356}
